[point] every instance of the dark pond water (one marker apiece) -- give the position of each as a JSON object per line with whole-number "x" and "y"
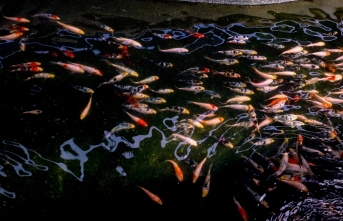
{"x": 54, "y": 162}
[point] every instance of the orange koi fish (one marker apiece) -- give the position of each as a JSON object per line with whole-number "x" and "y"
{"x": 67, "y": 53}
{"x": 71, "y": 28}
{"x": 213, "y": 121}
{"x": 198, "y": 169}
{"x": 16, "y": 28}
{"x": 11, "y": 36}
{"x": 152, "y": 196}
{"x": 87, "y": 108}
{"x": 241, "y": 210}
{"x": 177, "y": 169}
{"x": 17, "y": 19}
{"x": 137, "y": 120}
{"x": 27, "y": 64}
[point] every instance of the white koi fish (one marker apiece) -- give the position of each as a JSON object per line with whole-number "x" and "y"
{"x": 197, "y": 170}
{"x": 223, "y": 61}
{"x": 162, "y": 91}
{"x": 143, "y": 110}
{"x": 241, "y": 107}
{"x": 195, "y": 89}
{"x": 174, "y": 50}
{"x": 132, "y": 73}
{"x": 41, "y": 75}
{"x": 154, "y": 100}
{"x": 89, "y": 69}
{"x": 187, "y": 140}
{"x": 71, "y": 28}
{"x": 128, "y": 42}
{"x": 121, "y": 126}
{"x": 264, "y": 75}
{"x": 261, "y": 84}
{"x": 238, "y": 99}
{"x": 205, "y": 105}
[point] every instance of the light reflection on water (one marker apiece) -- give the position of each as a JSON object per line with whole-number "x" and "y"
{"x": 159, "y": 135}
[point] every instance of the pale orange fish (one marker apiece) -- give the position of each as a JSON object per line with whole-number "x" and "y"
{"x": 17, "y": 19}
{"x": 207, "y": 106}
{"x": 174, "y": 50}
{"x": 87, "y": 108}
{"x": 296, "y": 49}
{"x": 11, "y": 36}
{"x": 213, "y": 121}
{"x": 197, "y": 170}
{"x": 177, "y": 169}
{"x": 89, "y": 69}
{"x": 152, "y": 196}
{"x": 70, "y": 67}
{"x": 137, "y": 120}
{"x": 71, "y": 28}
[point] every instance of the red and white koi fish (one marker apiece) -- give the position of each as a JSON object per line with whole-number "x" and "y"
{"x": 146, "y": 80}
{"x": 241, "y": 210}
{"x": 87, "y": 108}
{"x": 174, "y": 50}
{"x": 16, "y": 28}
{"x": 89, "y": 69}
{"x": 45, "y": 15}
{"x": 67, "y": 53}
{"x": 205, "y": 105}
{"x": 152, "y": 196}
{"x": 128, "y": 42}
{"x": 27, "y": 64}
{"x": 139, "y": 121}
{"x": 30, "y": 69}
{"x": 177, "y": 170}
{"x": 71, "y": 28}
{"x": 11, "y": 36}
{"x": 261, "y": 84}
{"x": 197, "y": 170}
{"x": 17, "y": 19}
{"x": 70, "y": 67}
{"x": 296, "y": 49}
{"x": 188, "y": 140}
{"x": 163, "y": 36}
{"x": 206, "y": 186}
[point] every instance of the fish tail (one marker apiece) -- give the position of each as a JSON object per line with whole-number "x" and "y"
{"x": 106, "y": 61}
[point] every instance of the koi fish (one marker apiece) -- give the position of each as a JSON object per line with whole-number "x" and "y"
{"x": 103, "y": 26}
{"x": 139, "y": 121}
{"x": 83, "y": 89}
{"x": 152, "y": 196}
{"x": 122, "y": 68}
{"x": 205, "y": 105}
{"x": 146, "y": 80}
{"x": 163, "y": 36}
{"x": 195, "y": 89}
{"x": 261, "y": 84}
{"x": 264, "y": 75}
{"x": 241, "y": 107}
{"x": 70, "y": 67}
{"x": 44, "y": 15}
{"x": 121, "y": 126}
{"x": 228, "y": 74}
{"x": 71, "y": 28}
{"x": 116, "y": 78}
{"x": 11, "y": 36}
{"x": 27, "y": 64}
{"x": 128, "y": 42}
{"x": 177, "y": 109}
{"x": 296, "y": 49}
{"x": 277, "y": 46}
{"x": 174, "y": 50}
{"x": 238, "y": 99}
{"x": 321, "y": 43}
{"x": 213, "y": 121}
{"x": 87, "y": 108}
{"x": 297, "y": 185}
{"x": 154, "y": 100}
{"x": 89, "y": 69}
{"x": 223, "y": 61}
{"x": 241, "y": 210}
{"x": 16, "y": 28}
{"x": 283, "y": 164}
{"x": 162, "y": 91}
{"x": 320, "y": 54}
{"x": 232, "y": 53}
{"x": 258, "y": 198}
{"x": 17, "y": 19}
{"x": 206, "y": 185}
{"x": 212, "y": 94}
{"x": 244, "y": 91}
{"x": 33, "y": 112}
{"x": 177, "y": 170}
{"x": 30, "y": 69}
{"x": 197, "y": 170}
{"x": 68, "y": 53}
{"x": 187, "y": 140}
{"x": 41, "y": 75}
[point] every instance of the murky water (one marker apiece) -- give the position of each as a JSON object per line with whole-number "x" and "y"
{"x": 54, "y": 160}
